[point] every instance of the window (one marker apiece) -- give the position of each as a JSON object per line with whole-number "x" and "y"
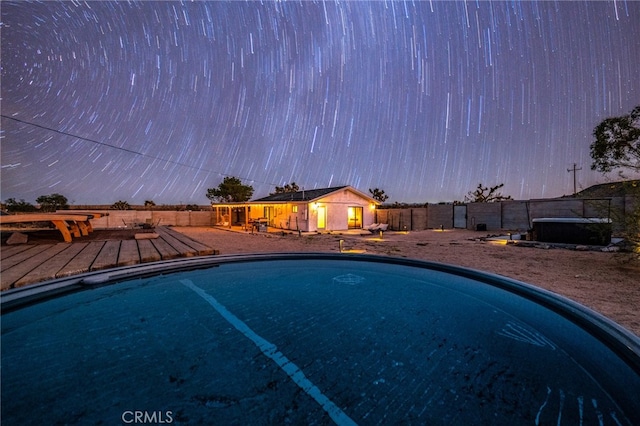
{"x": 294, "y": 209}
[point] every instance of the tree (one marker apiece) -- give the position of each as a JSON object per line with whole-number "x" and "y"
{"x": 121, "y": 205}
{"x": 617, "y": 143}
{"x": 19, "y": 206}
{"x": 484, "y": 194}
{"x": 230, "y": 190}
{"x": 292, "y": 187}
{"x": 53, "y": 202}
{"x": 149, "y": 204}
{"x": 617, "y": 146}
{"x": 378, "y": 195}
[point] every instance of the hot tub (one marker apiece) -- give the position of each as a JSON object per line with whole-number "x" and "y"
{"x": 572, "y": 230}
{"x": 310, "y": 339}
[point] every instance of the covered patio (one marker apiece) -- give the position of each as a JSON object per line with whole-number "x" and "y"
{"x": 241, "y": 216}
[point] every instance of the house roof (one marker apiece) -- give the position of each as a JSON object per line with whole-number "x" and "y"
{"x": 306, "y": 195}
{"x": 309, "y": 195}
{"x": 299, "y": 196}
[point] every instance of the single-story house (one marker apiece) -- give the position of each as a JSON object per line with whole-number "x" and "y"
{"x": 327, "y": 209}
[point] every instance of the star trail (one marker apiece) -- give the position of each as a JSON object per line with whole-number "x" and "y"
{"x": 106, "y": 101}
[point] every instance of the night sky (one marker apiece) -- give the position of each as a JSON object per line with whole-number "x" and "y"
{"x": 108, "y": 101}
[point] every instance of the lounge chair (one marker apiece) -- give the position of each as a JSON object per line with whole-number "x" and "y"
{"x": 375, "y": 228}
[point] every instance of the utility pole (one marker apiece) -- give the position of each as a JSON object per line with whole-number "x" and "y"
{"x": 574, "y": 170}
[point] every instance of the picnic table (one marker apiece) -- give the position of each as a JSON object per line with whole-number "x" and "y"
{"x": 77, "y": 224}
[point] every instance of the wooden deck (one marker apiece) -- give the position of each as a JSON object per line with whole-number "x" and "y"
{"x": 31, "y": 263}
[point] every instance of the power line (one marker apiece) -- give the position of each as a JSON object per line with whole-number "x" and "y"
{"x": 129, "y": 151}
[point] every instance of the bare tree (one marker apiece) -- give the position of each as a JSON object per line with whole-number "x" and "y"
{"x": 378, "y": 195}
{"x": 290, "y": 187}
{"x": 121, "y": 205}
{"x": 484, "y": 194}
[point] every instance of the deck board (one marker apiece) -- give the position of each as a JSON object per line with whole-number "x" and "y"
{"x": 23, "y": 256}
{"x": 129, "y": 254}
{"x": 148, "y": 252}
{"x": 82, "y": 262}
{"x": 24, "y": 264}
{"x": 200, "y": 248}
{"x": 165, "y": 249}
{"x": 177, "y": 244}
{"x": 13, "y": 274}
{"x": 108, "y": 256}
{"x": 53, "y": 265}
{"x": 9, "y": 251}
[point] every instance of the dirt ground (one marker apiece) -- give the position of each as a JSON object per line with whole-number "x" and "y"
{"x": 608, "y": 283}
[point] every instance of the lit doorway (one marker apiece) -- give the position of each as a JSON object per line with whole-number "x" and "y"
{"x": 269, "y": 214}
{"x": 354, "y": 217}
{"x": 322, "y": 217}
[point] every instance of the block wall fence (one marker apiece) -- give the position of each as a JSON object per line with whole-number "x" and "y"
{"x": 124, "y": 218}
{"x": 506, "y": 215}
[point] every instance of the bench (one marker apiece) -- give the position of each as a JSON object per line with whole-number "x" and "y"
{"x": 67, "y": 223}
{"x": 94, "y": 215}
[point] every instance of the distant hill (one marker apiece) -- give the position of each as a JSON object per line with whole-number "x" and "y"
{"x": 611, "y": 189}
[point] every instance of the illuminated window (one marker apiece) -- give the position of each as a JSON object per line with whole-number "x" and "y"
{"x": 294, "y": 209}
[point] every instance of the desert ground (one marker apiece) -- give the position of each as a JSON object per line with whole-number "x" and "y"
{"x": 606, "y": 282}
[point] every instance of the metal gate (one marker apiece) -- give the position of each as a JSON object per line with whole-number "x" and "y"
{"x": 460, "y": 216}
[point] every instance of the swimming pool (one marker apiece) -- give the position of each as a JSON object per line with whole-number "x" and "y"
{"x": 310, "y": 339}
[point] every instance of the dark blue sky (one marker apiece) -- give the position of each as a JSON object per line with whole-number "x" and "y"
{"x": 107, "y": 101}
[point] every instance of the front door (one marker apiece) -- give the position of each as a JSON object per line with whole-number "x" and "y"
{"x": 322, "y": 217}
{"x": 269, "y": 214}
{"x": 354, "y": 217}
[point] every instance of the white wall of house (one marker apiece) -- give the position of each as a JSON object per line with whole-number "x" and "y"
{"x": 336, "y": 207}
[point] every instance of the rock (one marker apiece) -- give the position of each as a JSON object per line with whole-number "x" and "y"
{"x": 17, "y": 238}
{"x": 582, "y": 248}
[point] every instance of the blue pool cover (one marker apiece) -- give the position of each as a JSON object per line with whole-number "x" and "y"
{"x": 310, "y": 339}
